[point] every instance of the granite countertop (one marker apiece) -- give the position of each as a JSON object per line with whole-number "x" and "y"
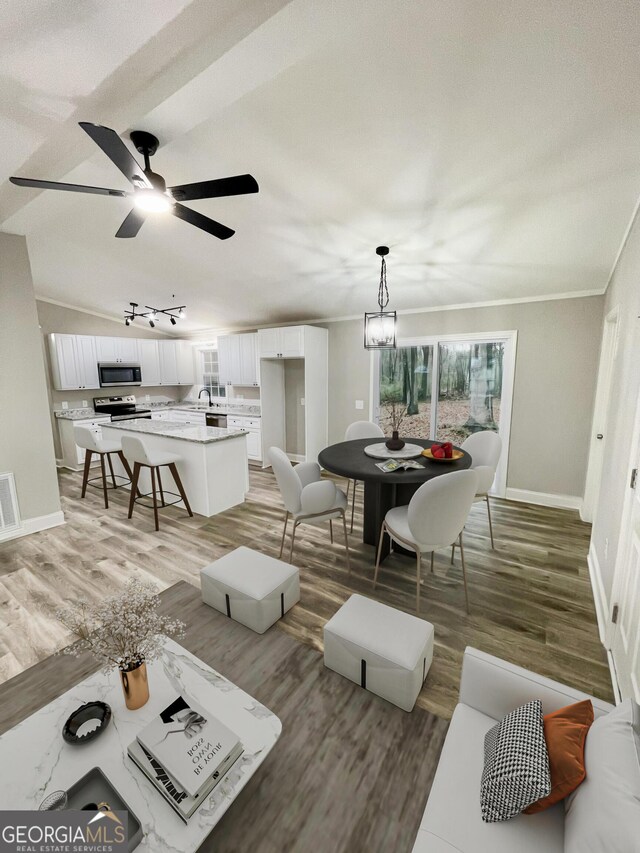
{"x": 175, "y": 429}
{"x": 77, "y": 414}
{"x": 235, "y": 411}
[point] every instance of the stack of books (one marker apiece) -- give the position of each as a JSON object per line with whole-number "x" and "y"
{"x": 185, "y": 751}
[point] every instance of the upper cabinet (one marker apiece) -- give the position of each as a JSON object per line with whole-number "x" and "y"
{"x": 238, "y": 359}
{"x": 149, "y": 361}
{"x": 75, "y": 358}
{"x": 117, "y": 350}
{"x": 74, "y": 362}
{"x": 285, "y": 342}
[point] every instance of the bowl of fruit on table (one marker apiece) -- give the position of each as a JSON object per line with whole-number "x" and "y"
{"x": 444, "y": 452}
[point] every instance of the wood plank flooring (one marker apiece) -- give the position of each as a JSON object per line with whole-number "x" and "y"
{"x": 345, "y": 775}
{"x": 531, "y": 600}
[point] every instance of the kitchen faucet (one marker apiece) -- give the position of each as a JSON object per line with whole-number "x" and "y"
{"x": 206, "y": 390}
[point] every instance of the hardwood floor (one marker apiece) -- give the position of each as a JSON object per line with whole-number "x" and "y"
{"x": 530, "y": 599}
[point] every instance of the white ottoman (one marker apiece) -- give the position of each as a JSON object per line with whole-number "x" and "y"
{"x": 250, "y": 587}
{"x": 380, "y": 648}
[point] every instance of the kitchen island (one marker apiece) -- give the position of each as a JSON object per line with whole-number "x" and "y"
{"x": 213, "y": 464}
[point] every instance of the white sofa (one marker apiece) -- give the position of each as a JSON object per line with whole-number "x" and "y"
{"x": 452, "y": 822}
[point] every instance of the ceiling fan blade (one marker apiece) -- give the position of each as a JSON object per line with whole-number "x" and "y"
{"x": 132, "y": 224}
{"x": 200, "y": 221}
{"x": 72, "y": 188}
{"x": 117, "y": 152}
{"x": 237, "y": 185}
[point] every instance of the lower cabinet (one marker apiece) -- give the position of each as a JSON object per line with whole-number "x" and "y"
{"x": 253, "y": 426}
{"x": 72, "y": 455}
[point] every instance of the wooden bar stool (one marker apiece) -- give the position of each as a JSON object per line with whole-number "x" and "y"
{"x": 87, "y": 439}
{"x": 136, "y": 452}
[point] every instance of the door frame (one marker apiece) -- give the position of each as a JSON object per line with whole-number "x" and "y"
{"x": 608, "y": 353}
{"x": 510, "y": 340}
{"x": 625, "y": 544}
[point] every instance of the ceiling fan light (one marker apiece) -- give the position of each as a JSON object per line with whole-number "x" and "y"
{"x": 152, "y": 201}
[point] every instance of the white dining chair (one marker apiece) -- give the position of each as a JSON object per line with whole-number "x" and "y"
{"x": 484, "y": 448}
{"x": 307, "y": 498}
{"x": 359, "y": 429}
{"x": 434, "y": 519}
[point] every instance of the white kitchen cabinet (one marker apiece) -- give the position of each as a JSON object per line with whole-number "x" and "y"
{"x": 168, "y": 362}
{"x": 117, "y": 350}
{"x": 285, "y": 342}
{"x": 149, "y": 361}
{"x": 184, "y": 417}
{"x": 238, "y": 359}
{"x": 186, "y": 367}
{"x": 254, "y": 434}
{"x": 72, "y": 455}
{"x": 74, "y": 362}
{"x": 164, "y": 415}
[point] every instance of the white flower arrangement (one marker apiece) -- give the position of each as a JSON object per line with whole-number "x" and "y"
{"x": 123, "y": 630}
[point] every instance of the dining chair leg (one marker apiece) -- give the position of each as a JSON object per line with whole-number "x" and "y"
{"x": 490, "y": 524}
{"x": 284, "y": 533}
{"x": 155, "y": 498}
{"x": 464, "y": 573}
{"x": 353, "y": 503}
{"x": 85, "y": 477}
{"x": 104, "y": 481}
{"x": 346, "y": 542}
{"x": 293, "y": 537}
{"x": 127, "y": 468}
{"x": 178, "y": 481}
{"x": 134, "y": 487}
{"x": 418, "y": 573}
{"x": 113, "y": 476}
{"x": 375, "y": 575}
{"x": 160, "y": 487}
{"x": 331, "y": 530}
{"x": 432, "y": 570}
{"x": 453, "y": 552}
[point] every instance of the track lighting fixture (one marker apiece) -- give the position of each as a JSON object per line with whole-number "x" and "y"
{"x": 152, "y": 315}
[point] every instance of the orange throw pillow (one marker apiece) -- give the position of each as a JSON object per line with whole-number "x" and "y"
{"x": 565, "y": 732}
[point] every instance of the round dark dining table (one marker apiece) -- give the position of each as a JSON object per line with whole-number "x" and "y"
{"x": 384, "y": 491}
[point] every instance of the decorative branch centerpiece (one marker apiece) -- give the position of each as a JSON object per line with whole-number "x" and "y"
{"x": 123, "y": 631}
{"x": 395, "y": 412}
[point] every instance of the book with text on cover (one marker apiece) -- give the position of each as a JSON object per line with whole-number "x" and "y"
{"x": 189, "y": 742}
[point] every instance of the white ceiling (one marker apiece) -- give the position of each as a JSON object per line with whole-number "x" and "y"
{"x": 493, "y": 146}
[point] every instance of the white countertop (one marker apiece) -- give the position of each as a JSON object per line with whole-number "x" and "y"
{"x": 78, "y": 414}
{"x": 175, "y": 429}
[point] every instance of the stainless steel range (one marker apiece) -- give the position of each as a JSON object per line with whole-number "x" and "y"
{"x": 120, "y": 408}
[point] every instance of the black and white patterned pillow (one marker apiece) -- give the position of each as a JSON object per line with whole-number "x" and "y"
{"x": 516, "y": 764}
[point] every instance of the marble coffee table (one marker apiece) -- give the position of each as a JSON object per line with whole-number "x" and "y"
{"x": 41, "y": 762}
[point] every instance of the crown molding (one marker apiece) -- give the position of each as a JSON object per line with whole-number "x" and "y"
{"x": 202, "y": 334}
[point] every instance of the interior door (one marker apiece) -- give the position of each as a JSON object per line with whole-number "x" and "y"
{"x": 626, "y": 598}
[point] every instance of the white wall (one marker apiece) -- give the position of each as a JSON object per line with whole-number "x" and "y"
{"x": 26, "y": 444}
{"x": 623, "y": 291}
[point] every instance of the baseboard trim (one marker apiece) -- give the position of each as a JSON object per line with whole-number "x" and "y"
{"x": 34, "y": 525}
{"x": 297, "y": 457}
{"x": 599, "y": 595}
{"x": 544, "y": 498}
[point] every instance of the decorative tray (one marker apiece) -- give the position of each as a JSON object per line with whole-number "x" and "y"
{"x": 381, "y": 451}
{"x": 457, "y": 454}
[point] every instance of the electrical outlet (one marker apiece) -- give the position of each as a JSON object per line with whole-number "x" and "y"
{"x": 85, "y": 404}
{"x": 302, "y": 401}
{"x": 359, "y": 404}
{"x": 65, "y": 405}
{"x": 606, "y": 549}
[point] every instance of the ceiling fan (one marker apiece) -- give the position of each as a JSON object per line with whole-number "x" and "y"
{"x": 150, "y": 192}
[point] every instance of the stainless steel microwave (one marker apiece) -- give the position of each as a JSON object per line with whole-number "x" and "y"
{"x": 119, "y": 374}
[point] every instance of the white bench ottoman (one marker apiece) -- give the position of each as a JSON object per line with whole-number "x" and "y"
{"x": 250, "y": 587}
{"x": 380, "y": 648}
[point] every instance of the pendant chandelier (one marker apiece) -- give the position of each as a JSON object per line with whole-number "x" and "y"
{"x": 380, "y": 326}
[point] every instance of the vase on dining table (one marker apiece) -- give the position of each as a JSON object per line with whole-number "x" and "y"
{"x": 394, "y": 443}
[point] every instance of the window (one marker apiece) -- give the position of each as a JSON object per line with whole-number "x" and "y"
{"x": 451, "y": 386}
{"x": 210, "y": 373}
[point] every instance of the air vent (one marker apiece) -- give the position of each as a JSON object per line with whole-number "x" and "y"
{"x": 9, "y": 515}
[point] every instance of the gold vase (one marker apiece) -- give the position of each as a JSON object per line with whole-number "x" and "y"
{"x": 135, "y": 686}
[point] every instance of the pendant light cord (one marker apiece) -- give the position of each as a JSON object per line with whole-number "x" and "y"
{"x": 383, "y": 291}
